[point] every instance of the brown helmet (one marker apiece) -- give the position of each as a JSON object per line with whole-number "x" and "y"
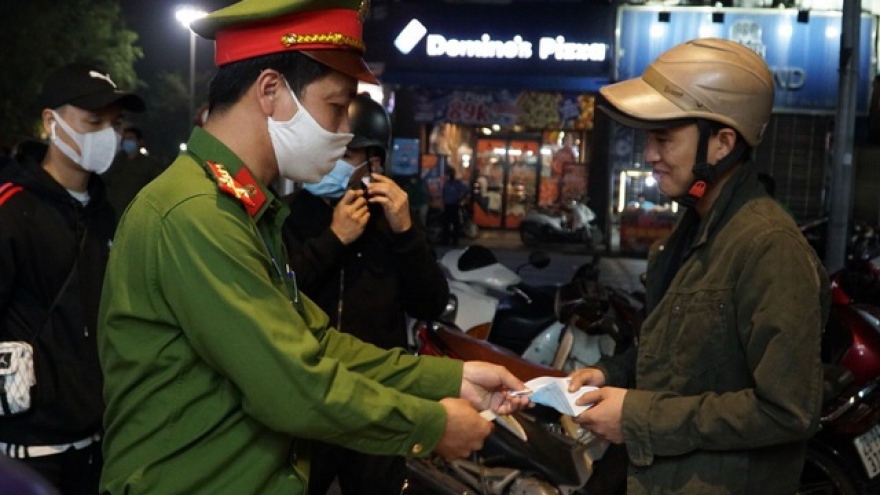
{"x": 709, "y": 78}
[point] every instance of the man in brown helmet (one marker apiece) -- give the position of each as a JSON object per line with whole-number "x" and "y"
{"x": 724, "y": 388}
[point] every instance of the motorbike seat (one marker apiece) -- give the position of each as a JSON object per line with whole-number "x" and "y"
{"x": 517, "y": 321}
{"x": 471, "y": 349}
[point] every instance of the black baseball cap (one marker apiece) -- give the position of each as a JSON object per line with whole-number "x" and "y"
{"x": 86, "y": 87}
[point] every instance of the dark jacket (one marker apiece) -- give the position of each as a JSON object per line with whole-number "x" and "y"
{"x": 383, "y": 275}
{"x": 41, "y": 235}
{"x": 126, "y": 177}
{"x": 726, "y": 380}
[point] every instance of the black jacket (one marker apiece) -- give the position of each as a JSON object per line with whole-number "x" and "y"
{"x": 384, "y": 275}
{"x": 41, "y": 235}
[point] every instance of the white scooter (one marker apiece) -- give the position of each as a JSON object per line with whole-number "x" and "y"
{"x": 571, "y": 222}
{"x": 559, "y": 326}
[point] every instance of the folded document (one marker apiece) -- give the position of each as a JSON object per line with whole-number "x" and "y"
{"x": 553, "y": 392}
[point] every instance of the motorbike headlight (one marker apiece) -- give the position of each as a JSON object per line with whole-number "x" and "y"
{"x": 451, "y": 309}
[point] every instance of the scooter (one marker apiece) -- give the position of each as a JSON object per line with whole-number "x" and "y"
{"x": 565, "y": 327}
{"x": 572, "y": 222}
{"x": 843, "y": 458}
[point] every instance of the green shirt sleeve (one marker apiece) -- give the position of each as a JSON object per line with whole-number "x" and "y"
{"x": 218, "y": 281}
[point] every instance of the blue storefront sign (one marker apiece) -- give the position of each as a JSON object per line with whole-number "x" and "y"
{"x": 804, "y": 56}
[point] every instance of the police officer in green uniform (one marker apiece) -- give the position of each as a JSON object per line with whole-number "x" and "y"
{"x": 218, "y": 370}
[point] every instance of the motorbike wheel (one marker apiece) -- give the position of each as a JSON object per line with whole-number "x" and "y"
{"x": 824, "y": 476}
{"x": 530, "y": 235}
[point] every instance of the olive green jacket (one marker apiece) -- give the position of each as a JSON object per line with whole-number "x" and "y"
{"x": 217, "y": 369}
{"x": 726, "y": 380}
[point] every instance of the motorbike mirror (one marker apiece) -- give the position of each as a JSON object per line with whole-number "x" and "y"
{"x": 539, "y": 259}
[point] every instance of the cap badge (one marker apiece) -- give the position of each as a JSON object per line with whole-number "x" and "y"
{"x": 337, "y": 39}
{"x": 106, "y": 77}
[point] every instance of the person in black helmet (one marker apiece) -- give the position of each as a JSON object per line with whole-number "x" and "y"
{"x": 357, "y": 253}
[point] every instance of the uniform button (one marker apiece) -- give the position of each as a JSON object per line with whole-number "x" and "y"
{"x": 417, "y": 449}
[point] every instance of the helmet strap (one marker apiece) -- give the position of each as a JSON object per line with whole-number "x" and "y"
{"x": 705, "y": 174}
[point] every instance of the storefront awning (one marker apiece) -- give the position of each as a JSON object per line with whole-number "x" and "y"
{"x": 486, "y": 80}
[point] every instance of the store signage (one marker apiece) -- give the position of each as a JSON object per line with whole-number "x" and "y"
{"x": 803, "y": 56}
{"x": 515, "y": 47}
{"x": 528, "y": 45}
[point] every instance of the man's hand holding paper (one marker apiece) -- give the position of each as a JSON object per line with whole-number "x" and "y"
{"x": 604, "y": 418}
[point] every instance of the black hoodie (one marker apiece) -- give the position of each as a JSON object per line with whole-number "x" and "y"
{"x": 45, "y": 236}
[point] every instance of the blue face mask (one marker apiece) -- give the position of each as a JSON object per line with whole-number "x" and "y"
{"x": 334, "y": 184}
{"x": 129, "y": 146}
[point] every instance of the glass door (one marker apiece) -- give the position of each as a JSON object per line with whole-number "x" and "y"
{"x": 505, "y": 181}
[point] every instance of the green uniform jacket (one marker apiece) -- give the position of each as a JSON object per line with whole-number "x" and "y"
{"x": 727, "y": 375}
{"x": 213, "y": 373}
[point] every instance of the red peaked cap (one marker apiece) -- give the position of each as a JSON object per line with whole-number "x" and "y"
{"x": 332, "y": 37}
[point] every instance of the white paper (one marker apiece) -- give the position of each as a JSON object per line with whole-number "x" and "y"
{"x": 553, "y": 392}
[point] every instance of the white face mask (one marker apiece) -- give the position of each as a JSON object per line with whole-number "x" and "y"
{"x": 98, "y": 148}
{"x": 304, "y": 150}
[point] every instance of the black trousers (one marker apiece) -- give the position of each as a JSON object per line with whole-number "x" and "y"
{"x": 358, "y": 474}
{"x": 451, "y": 224}
{"x": 75, "y": 472}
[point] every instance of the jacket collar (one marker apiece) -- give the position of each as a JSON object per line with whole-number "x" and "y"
{"x": 36, "y": 180}
{"x": 741, "y": 186}
{"x": 233, "y": 177}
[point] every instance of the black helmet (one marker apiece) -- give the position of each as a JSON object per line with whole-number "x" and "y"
{"x": 370, "y": 125}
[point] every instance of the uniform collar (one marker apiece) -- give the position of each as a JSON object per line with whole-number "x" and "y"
{"x": 233, "y": 177}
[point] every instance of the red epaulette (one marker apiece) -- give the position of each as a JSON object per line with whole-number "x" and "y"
{"x": 242, "y": 187}
{"x": 7, "y": 191}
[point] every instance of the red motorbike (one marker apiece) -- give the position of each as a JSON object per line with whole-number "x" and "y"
{"x": 843, "y": 458}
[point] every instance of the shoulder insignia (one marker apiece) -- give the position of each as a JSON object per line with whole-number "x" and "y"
{"x": 7, "y": 191}
{"x": 248, "y": 193}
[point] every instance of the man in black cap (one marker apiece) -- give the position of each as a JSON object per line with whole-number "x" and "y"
{"x": 55, "y": 231}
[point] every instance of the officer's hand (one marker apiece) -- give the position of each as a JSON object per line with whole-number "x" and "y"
{"x": 485, "y": 386}
{"x": 394, "y": 201}
{"x": 350, "y": 217}
{"x": 586, "y": 376}
{"x": 604, "y": 419}
{"x": 465, "y": 430}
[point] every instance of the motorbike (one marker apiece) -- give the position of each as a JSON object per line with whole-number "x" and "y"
{"x": 565, "y": 327}
{"x": 532, "y": 452}
{"x": 567, "y": 223}
{"x": 843, "y": 458}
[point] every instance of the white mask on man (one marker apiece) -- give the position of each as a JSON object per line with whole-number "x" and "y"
{"x": 97, "y": 149}
{"x": 304, "y": 150}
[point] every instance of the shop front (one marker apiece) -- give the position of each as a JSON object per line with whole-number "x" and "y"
{"x": 503, "y": 94}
